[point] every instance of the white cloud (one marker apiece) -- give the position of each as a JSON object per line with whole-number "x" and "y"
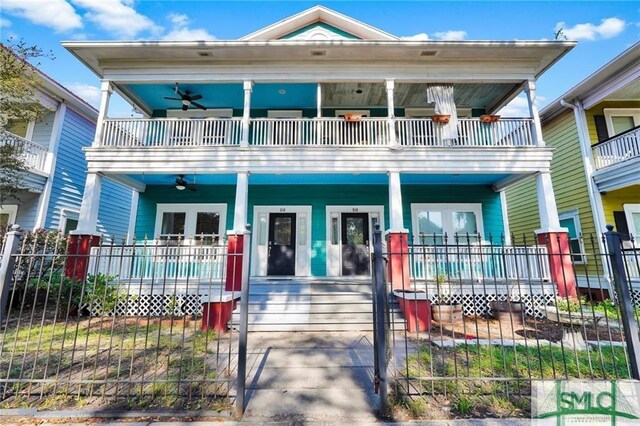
{"x": 451, "y": 35}
{"x": 4, "y": 23}
{"x": 117, "y": 17}
{"x": 519, "y": 107}
{"x": 608, "y": 28}
{"x": 416, "y": 37}
{"x": 180, "y": 30}
{"x": 56, "y": 14}
{"x": 89, "y": 93}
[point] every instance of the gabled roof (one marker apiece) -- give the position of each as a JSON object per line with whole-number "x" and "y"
{"x": 319, "y": 14}
{"x": 621, "y": 71}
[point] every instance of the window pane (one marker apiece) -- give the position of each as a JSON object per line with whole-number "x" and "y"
{"x": 570, "y": 224}
{"x": 70, "y": 225}
{"x": 355, "y": 231}
{"x": 262, "y": 234}
{"x": 282, "y": 231}
{"x": 622, "y": 124}
{"x": 464, "y": 223}
{"x": 430, "y": 223}
{"x": 575, "y": 248}
{"x": 636, "y": 225}
{"x": 302, "y": 230}
{"x": 334, "y": 230}
{"x": 173, "y": 223}
{"x": 207, "y": 223}
{"x": 4, "y": 220}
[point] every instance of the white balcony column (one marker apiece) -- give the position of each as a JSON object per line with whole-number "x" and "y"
{"x": 104, "y": 110}
{"x": 246, "y": 112}
{"x": 88, "y": 220}
{"x": 319, "y": 100}
{"x": 536, "y": 131}
{"x": 549, "y": 220}
{"x": 242, "y": 202}
{"x": 395, "y": 203}
{"x": 390, "y": 85}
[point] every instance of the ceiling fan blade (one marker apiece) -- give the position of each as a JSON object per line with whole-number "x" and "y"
{"x": 196, "y": 97}
{"x": 177, "y": 91}
{"x": 173, "y": 99}
{"x": 202, "y": 107}
{"x": 192, "y": 188}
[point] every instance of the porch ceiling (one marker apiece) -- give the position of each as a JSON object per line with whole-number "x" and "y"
{"x": 322, "y": 179}
{"x": 303, "y": 95}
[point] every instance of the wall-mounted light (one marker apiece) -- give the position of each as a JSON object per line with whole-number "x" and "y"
{"x": 282, "y": 91}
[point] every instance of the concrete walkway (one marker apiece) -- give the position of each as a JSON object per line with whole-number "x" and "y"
{"x": 310, "y": 377}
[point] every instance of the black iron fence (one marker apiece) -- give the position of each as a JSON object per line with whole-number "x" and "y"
{"x": 137, "y": 324}
{"x": 488, "y": 319}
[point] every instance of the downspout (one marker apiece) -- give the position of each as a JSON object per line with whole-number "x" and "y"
{"x": 594, "y": 196}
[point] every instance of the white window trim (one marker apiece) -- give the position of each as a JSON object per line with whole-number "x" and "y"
{"x": 575, "y": 216}
{"x": 428, "y": 112}
{"x": 11, "y": 210}
{"x": 198, "y": 113}
{"x": 284, "y": 113}
{"x": 67, "y": 214}
{"x": 609, "y": 113}
{"x": 475, "y": 208}
{"x": 191, "y": 210}
{"x": 629, "y": 209}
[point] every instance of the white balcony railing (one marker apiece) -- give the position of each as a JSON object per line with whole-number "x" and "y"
{"x": 474, "y": 262}
{"x": 35, "y": 155}
{"x": 164, "y": 132}
{"x": 619, "y": 148}
{"x": 150, "y": 261}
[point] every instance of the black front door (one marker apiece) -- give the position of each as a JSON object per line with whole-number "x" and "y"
{"x": 282, "y": 244}
{"x": 355, "y": 244}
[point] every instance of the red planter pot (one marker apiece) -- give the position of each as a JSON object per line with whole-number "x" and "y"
{"x": 217, "y": 310}
{"x": 416, "y": 308}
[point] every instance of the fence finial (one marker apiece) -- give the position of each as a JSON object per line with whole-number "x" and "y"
{"x": 609, "y": 228}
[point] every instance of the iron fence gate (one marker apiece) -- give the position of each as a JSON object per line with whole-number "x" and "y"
{"x": 489, "y": 319}
{"x": 137, "y": 330}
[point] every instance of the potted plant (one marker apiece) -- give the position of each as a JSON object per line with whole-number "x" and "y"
{"x": 441, "y": 118}
{"x": 445, "y": 311}
{"x": 353, "y": 117}
{"x": 512, "y": 310}
{"x": 489, "y": 118}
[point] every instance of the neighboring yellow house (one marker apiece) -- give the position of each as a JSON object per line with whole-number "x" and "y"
{"x": 595, "y": 130}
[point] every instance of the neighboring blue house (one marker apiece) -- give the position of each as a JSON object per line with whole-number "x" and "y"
{"x": 54, "y": 183}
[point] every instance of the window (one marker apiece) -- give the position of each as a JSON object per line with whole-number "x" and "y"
{"x": 632, "y": 213}
{"x": 68, "y": 221}
{"x": 571, "y": 221}
{"x": 432, "y": 221}
{"x": 619, "y": 120}
{"x": 8, "y": 214}
{"x": 203, "y": 222}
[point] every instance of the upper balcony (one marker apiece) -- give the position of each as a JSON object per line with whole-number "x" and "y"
{"x": 34, "y": 154}
{"x": 617, "y": 161}
{"x": 319, "y": 132}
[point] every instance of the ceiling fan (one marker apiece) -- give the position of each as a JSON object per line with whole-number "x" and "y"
{"x": 182, "y": 184}
{"x": 187, "y": 99}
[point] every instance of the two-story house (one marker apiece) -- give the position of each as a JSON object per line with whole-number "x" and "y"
{"x": 595, "y": 130}
{"x": 54, "y": 181}
{"x": 315, "y": 129}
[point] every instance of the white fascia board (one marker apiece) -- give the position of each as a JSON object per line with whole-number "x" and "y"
{"x": 479, "y": 160}
{"x": 618, "y": 176}
{"x": 611, "y": 86}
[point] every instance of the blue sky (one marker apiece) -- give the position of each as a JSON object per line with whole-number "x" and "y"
{"x": 603, "y": 29}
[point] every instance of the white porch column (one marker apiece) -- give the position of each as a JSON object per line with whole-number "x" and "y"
{"x": 88, "y": 220}
{"x": 395, "y": 203}
{"x": 319, "y": 100}
{"x": 242, "y": 202}
{"x": 549, "y": 221}
{"x": 246, "y": 112}
{"x": 536, "y": 131}
{"x": 390, "y": 85}
{"x": 104, "y": 110}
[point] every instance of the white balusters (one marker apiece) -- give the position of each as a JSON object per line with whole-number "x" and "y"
{"x": 617, "y": 149}
{"x": 34, "y": 154}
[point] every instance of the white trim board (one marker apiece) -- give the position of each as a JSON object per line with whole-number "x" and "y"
{"x": 259, "y": 246}
{"x": 334, "y": 251}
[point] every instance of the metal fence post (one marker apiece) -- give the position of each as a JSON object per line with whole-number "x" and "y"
{"x": 244, "y": 324}
{"x": 380, "y": 337}
{"x": 6, "y": 267}
{"x": 621, "y": 286}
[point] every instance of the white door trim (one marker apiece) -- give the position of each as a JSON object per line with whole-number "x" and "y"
{"x": 259, "y": 246}
{"x": 334, "y": 251}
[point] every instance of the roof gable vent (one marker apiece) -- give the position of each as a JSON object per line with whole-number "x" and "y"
{"x": 318, "y": 53}
{"x": 428, "y": 53}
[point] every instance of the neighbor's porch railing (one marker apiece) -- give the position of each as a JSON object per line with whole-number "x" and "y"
{"x": 334, "y": 132}
{"x": 479, "y": 262}
{"x": 34, "y": 154}
{"x": 165, "y": 132}
{"x": 155, "y": 259}
{"x": 617, "y": 149}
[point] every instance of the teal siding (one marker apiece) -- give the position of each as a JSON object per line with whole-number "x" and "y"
{"x": 323, "y": 25}
{"x": 318, "y": 197}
